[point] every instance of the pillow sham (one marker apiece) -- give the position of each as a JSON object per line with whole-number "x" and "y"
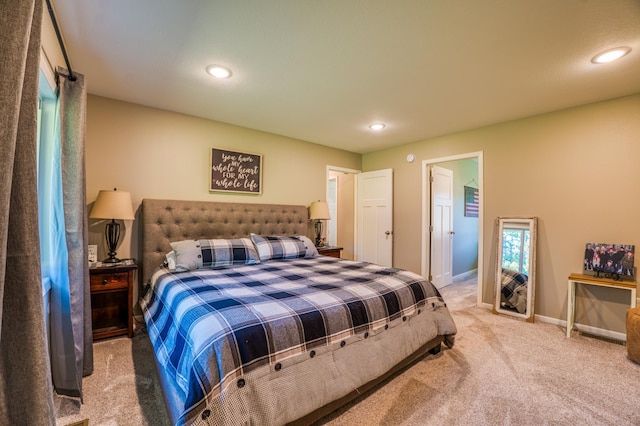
{"x": 200, "y": 254}
{"x": 312, "y": 250}
{"x": 170, "y": 260}
{"x": 280, "y": 247}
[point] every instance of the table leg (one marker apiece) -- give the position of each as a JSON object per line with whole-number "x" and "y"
{"x": 571, "y": 301}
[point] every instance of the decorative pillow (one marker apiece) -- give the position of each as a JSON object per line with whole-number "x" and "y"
{"x": 312, "y": 250}
{"x": 199, "y": 254}
{"x": 270, "y": 247}
{"x": 170, "y": 260}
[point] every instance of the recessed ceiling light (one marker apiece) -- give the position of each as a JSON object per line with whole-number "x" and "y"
{"x": 376, "y": 126}
{"x": 610, "y": 55}
{"x": 219, "y": 71}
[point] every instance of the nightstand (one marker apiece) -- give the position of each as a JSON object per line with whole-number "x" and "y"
{"x": 330, "y": 251}
{"x": 111, "y": 300}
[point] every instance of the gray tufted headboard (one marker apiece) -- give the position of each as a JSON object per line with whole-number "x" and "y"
{"x": 165, "y": 221}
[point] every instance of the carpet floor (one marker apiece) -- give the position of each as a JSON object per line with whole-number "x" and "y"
{"x": 501, "y": 371}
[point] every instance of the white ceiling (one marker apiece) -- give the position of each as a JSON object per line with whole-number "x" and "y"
{"x": 323, "y": 70}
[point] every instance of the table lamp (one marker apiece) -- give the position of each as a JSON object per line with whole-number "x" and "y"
{"x": 112, "y": 205}
{"x": 319, "y": 211}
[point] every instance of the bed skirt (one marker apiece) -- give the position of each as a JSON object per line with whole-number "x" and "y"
{"x": 308, "y": 389}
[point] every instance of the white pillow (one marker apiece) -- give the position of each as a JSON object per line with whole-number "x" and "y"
{"x": 312, "y": 250}
{"x": 188, "y": 255}
{"x": 170, "y": 260}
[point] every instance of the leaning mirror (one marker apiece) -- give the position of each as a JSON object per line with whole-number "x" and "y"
{"x": 516, "y": 266}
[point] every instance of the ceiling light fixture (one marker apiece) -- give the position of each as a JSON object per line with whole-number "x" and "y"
{"x": 219, "y": 71}
{"x": 376, "y": 126}
{"x": 610, "y": 55}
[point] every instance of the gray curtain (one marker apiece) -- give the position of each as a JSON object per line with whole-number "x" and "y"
{"x": 26, "y": 395}
{"x": 73, "y": 100}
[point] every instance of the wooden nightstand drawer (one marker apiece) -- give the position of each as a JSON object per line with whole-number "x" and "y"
{"x": 109, "y": 281}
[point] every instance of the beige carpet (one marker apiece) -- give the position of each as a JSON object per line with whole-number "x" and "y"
{"x": 501, "y": 371}
{"x": 124, "y": 388}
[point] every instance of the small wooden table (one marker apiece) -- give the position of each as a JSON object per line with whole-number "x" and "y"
{"x": 591, "y": 280}
{"x": 330, "y": 251}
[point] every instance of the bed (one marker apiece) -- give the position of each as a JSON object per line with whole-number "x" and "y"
{"x": 250, "y": 326}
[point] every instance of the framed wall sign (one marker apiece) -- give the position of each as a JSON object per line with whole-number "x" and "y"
{"x": 234, "y": 171}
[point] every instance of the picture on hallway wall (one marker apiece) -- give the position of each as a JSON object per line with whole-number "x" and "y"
{"x": 471, "y": 201}
{"x": 609, "y": 260}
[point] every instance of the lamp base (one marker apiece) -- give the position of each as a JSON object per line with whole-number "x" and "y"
{"x": 319, "y": 233}
{"x": 112, "y": 235}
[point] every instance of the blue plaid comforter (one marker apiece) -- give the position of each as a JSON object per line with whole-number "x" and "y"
{"x": 208, "y": 327}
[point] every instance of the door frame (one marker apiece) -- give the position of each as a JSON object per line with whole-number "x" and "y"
{"x": 355, "y": 194}
{"x": 426, "y": 215}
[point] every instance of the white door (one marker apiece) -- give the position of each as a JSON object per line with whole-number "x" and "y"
{"x": 441, "y": 226}
{"x": 332, "y": 201}
{"x": 375, "y": 217}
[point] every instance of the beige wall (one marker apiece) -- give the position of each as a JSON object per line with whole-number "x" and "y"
{"x": 160, "y": 154}
{"x": 578, "y": 170}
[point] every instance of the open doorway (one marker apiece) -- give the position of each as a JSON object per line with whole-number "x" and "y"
{"x": 341, "y": 197}
{"x": 466, "y": 231}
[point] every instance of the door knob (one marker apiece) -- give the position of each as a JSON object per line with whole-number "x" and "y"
{"x": 387, "y": 233}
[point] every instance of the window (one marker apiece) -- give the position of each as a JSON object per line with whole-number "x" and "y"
{"x": 515, "y": 249}
{"x": 46, "y": 167}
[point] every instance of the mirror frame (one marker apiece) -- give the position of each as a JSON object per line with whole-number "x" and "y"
{"x": 501, "y": 224}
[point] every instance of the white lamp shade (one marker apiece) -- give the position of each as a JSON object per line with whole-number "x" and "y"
{"x": 319, "y": 210}
{"x": 112, "y": 204}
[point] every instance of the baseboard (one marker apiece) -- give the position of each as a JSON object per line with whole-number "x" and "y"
{"x": 600, "y": 332}
{"x": 463, "y": 275}
{"x": 595, "y": 331}
{"x": 587, "y": 329}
